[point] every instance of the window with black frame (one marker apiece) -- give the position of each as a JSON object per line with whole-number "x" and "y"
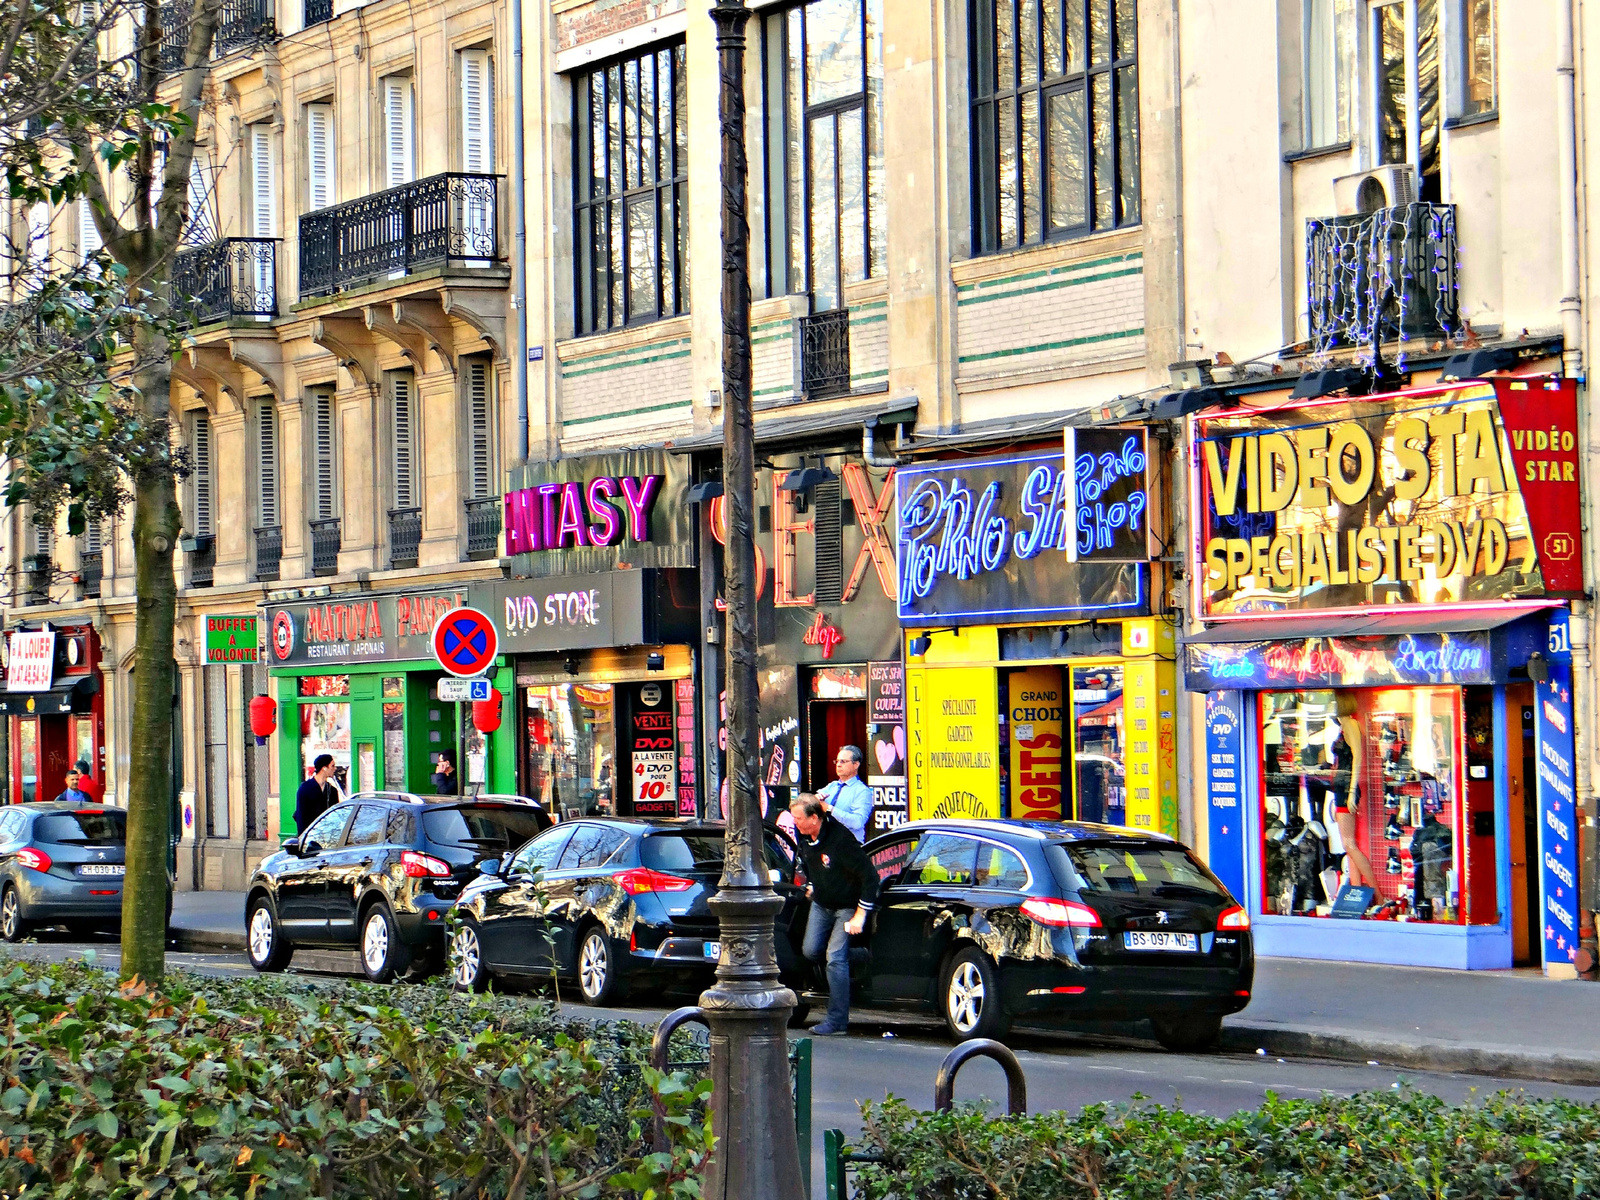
{"x": 822, "y": 85}
{"x": 1055, "y": 120}
{"x": 630, "y": 173}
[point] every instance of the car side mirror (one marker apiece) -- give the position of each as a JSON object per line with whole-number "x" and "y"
{"x": 490, "y": 866}
{"x": 292, "y": 846}
{"x": 308, "y": 849}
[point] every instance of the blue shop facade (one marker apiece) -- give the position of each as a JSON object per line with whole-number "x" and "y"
{"x": 1382, "y": 648}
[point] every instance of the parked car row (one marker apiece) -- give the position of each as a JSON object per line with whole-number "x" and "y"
{"x": 981, "y": 922}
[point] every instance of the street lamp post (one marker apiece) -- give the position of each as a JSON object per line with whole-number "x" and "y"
{"x": 757, "y": 1156}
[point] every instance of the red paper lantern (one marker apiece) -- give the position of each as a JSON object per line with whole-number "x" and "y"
{"x": 263, "y": 718}
{"x": 486, "y": 713}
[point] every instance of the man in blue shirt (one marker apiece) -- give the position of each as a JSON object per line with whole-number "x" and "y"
{"x": 848, "y": 798}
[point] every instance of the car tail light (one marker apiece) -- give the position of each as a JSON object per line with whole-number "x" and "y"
{"x": 37, "y": 859}
{"x": 421, "y": 866}
{"x": 1062, "y": 914}
{"x": 1233, "y": 918}
{"x": 636, "y": 880}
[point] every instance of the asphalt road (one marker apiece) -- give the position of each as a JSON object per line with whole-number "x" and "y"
{"x": 892, "y": 1053}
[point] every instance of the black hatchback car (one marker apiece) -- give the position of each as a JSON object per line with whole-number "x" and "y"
{"x": 988, "y": 921}
{"x": 379, "y": 872}
{"x": 61, "y": 864}
{"x": 616, "y": 904}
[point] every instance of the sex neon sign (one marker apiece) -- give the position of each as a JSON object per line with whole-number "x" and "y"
{"x": 563, "y": 516}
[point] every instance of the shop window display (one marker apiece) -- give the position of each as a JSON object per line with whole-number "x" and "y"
{"x": 1362, "y": 789}
{"x": 1098, "y": 730}
{"x": 571, "y": 747}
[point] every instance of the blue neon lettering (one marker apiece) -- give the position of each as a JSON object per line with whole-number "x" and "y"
{"x": 971, "y": 538}
{"x": 1041, "y": 504}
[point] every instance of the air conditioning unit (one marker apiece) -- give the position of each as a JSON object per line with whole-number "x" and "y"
{"x": 1383, "y": 187}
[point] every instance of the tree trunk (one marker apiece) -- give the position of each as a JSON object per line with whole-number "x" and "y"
{"x": 156, "y": 525}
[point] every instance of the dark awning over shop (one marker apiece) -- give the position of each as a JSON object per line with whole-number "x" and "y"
{"x": 67, "y": 696}
{"x": 1380, "y": 624}
{"x": 833, "y": 422}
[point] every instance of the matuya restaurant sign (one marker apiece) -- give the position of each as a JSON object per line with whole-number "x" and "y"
{"x": 1432, "y": 496}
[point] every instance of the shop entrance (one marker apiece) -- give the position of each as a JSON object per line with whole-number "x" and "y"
{"x": 836, "y": 716}
{"x": 1522, "y": 821}
{"x": 1064, "y": 744}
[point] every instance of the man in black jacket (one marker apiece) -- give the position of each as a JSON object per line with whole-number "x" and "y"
{"x": 312, "y": 800}
{"x": 842, "y": 884}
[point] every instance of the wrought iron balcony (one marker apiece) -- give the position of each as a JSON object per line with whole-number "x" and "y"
{"x": 325, "y": 546}
{"x": 825, "y": 354}
{"x": 91, "y": 572}
{"x": 269, "y": 553}
{"x": 444, "y": 218}
{"x": 244, "y": 23}
{"x": 405, "y": 535}
{"x": 1380, "y": 276}
{"x": 318, "y": 11}
{"x": 202, "y": 555}
{"x": 483, "y": 527}
{"x": 175, "y": 22}
{"x": 233, "y": 277}
{"x": 37, "y": 572}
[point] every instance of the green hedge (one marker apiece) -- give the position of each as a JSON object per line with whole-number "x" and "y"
{"x": 1398, "y": 1145}
{"x": 277, "y": 1089}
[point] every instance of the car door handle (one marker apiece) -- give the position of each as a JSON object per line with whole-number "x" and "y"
{"x": 366, "y": 862}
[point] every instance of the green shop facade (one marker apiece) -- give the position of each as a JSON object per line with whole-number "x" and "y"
{"x": 354, "y": 677}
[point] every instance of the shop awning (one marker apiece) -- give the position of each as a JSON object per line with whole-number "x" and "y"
{"x": 1368, "y": 624}
{"x": 772, "y": 429}
{"x": 74, "y": 695}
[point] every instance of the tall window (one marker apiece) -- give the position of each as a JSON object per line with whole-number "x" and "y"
{"x": 399, "y": 131}
{"x": 477, "y": 112}
{"x": 1329, "y": 40}
{"x": 321, "y": 188}
{"x": 1055, "y": 120}
{"x": 268, "y": 515}
{"x": 1477, "y": 57}
{"x": 1405, "y": 63}
{"x": 823, "y": 84}
{"x": 631, "y": 191}
{"x": 202, "y": 480}
{"x": 403, "y": 437}
{"x": 479, "y": 383}
{"x": 201, "y": 228}
{"x": 324, "y": 479}
{"x": 88, "y": 231}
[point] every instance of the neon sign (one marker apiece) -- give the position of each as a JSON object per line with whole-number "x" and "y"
{"x": 1458, "y": 658}
{"x": 1108, "y": 495}
{"x": 562, "y": 516}
{"x": 974, "y": 537}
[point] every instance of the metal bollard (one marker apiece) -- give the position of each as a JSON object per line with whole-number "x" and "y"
{"x": 1016, "y": 1084}
{"x": 660, "y": 1046}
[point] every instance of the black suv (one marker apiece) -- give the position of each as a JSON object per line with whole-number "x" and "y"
{"x": 379, "y": 871}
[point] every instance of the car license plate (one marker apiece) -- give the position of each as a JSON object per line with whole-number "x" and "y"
{"x": 713, "y": 949}
{"x": 1161, "y": 941}
{"x": 102, "y": 869}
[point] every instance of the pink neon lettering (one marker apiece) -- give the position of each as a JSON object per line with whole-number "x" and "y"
{"x": 547, "y": 513}
{"x": 608, "y": 528}
{"x": 571, "y": 521}
{"x": 640, "y": 494}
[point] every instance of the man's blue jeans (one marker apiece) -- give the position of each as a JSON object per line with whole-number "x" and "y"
{"x": 825, "y": 932}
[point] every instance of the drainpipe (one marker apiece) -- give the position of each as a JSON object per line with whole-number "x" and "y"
{"x": 869, "y": 449}
{"x": 519, "y": 253}
{"x": 1572, "y": 367}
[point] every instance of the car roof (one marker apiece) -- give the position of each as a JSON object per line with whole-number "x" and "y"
{"x": 49, "y": 806}
{"x": 1042, "y": 831}
{"x": 440, "y": 801}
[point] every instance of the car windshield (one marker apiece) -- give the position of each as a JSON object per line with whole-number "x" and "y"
{"x": 92, "y": 826}
{"x": 495, "y": 829}
{"x": 1141, "y": 869}
{"x": 699, "y": 850}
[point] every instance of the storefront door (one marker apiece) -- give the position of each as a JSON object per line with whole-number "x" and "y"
{"x": 1522, "y": 825}
{"x": 836, "y": 716}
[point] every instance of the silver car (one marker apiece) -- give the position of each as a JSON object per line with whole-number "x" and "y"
{"x": 61, "y": 864}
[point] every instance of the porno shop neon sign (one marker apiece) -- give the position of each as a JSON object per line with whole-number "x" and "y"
{"x": 562, "y": 516}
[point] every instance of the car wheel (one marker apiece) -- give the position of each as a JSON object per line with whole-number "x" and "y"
{"x": 426, "y": 962}
{"x": 12, "y": 927}
{"x": 971, "y": 998}
{"x": 383, "y": 954}
{"x": 269, "y": 949}
{"x": 597, "y": 974}
{"x": 1187, "y": 1034}
{"x": 468, "y": 971}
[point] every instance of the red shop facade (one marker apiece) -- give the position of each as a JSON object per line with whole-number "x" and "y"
{"x": 54, "y": 707}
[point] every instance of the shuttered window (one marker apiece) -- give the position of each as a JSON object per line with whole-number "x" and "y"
{"x": 263, "y": 211}
{"x": 324, "y": 499}
{"x": 480, "y": 429}
{"x": 267, "y": 467}
{"x": 203, "y": 481}
{"x": 477, "y": 112}
{"x": 403, "y": 437}
{"x": 44, "y": 538}
{"x": 829, "y": 543}
{"x": 93, "y": 538}
{"x": 201, "y": 227}
{"x": 320, "y": 191}
{"x": 39, "y": 233}
{"x": 88, "y": 234}
{"x": 398, "y": 131}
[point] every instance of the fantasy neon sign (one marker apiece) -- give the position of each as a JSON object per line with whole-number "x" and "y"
{"x": 561, "y": 516}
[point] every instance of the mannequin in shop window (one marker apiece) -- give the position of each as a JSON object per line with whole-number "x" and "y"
{"x": 1348, "y": 759}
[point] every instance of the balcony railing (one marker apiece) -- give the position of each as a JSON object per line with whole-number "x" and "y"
{"x": 37, "y": 571}
{"x": 175, "y": 21}
{"x": 91, "y": 572}
{"x": 825, "y": 354}
{"x": 234, "y": 277}
{"x": 269, "y": 553}
{"x": 202, "y": 561}
{"x": 1380, "y": 276}
{"x": 244, "y": 23}
{"x": 318, "y": 11}
{"x": 325, "y": 546}
{"x": 444, "y": 218}
{"x": 483, "y": 527}
{"x": 405, "y": 535}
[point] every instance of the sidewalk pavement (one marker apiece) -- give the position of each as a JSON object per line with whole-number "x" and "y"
{"x": 1514, "y": 1024}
